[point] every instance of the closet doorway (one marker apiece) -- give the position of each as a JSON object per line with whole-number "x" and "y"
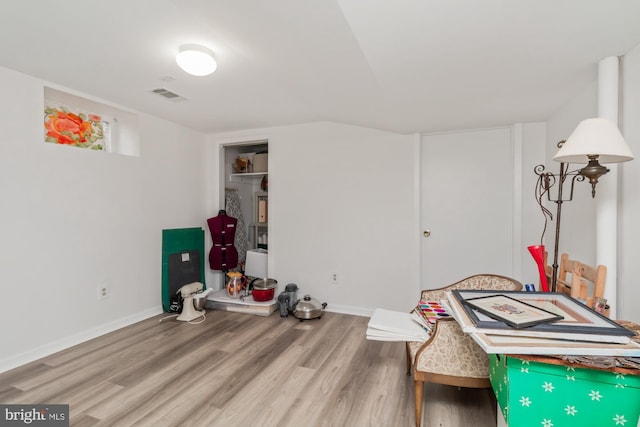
{"x": 244, "y": 193}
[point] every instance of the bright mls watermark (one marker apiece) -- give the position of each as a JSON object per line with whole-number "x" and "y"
{"x": 34, "y": 415}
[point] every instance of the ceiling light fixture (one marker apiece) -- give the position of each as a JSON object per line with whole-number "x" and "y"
{"x": 196, "y": 60}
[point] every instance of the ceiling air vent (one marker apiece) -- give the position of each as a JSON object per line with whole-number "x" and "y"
{"x": 169, "y": 95}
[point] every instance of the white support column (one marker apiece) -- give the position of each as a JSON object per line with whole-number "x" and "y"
{"x": 607, "y": 189}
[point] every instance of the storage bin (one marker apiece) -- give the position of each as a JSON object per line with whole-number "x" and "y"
{"x": 541, "y": 394}
{"x": 260, "y": 162}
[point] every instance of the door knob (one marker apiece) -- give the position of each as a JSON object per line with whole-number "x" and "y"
{"x": 426, "y": 233}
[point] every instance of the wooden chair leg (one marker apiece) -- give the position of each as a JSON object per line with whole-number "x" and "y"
{"x": 408, "y": 355}
{"x": 418, "y": 387}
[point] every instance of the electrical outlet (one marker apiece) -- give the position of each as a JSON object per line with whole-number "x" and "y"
{"x": 103, "y": 292}
{"x": 333, "y": 277}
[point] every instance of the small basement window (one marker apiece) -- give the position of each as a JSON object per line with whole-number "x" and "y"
{"x": 79, "y": 122}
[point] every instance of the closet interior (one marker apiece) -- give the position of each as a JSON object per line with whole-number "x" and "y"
{"x": 246, "y": 184}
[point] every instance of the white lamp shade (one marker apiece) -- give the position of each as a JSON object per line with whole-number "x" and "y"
{"x": 196, "y": 60}
{"x": 597, "y": 136}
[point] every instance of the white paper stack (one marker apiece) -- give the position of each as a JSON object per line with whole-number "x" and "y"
{"x": 386, "y": 325}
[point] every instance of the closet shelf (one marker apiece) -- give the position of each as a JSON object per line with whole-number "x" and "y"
{"x": 251, "y": 176}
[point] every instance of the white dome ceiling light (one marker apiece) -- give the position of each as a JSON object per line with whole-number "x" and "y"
{"x": 196, "y": 60}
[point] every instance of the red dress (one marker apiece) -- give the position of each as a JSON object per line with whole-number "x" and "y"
{"x": 223, "y": 254}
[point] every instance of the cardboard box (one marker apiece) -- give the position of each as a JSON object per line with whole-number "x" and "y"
{"x": 540, "y": 394}
{"x": 262, "y": 211}
{"x": 261, "y": 162}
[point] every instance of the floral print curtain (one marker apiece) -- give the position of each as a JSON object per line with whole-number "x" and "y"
{"x": 232, "y": 206}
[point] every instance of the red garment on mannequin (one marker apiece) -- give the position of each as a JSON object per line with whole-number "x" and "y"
{"x": 223, "y": 254}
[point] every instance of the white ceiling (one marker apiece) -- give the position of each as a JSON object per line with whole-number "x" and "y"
{"x": 399, "y": 65}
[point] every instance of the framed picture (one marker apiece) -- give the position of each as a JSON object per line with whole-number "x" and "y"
{"x": 511, "y": 311}
{"x": 73, "y": 127}
{"x": 577, "y": 318}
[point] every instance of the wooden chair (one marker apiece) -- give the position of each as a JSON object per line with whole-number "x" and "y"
{"x": 450, "y": 356}
{"x": 585, "y": 282}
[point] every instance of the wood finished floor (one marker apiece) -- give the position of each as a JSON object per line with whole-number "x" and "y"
{"x": 241, "y": 370}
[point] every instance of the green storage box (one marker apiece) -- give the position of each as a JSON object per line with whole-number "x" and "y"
{"x": 179, "y": 240}
{"x": 540, "y": 394}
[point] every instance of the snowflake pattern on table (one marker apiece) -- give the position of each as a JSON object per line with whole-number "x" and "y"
{"x": 546, "y": 423}
{"x": 548, "y": 387}
{"x": 571, "y": 410}
{"x": 620, "y": 420}
{"x": 595, "y": 395}
{"x": 620, "y": 378}
{"x": 525, "y": 401}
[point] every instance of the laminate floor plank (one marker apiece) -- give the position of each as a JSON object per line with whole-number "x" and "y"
{"x": 88, "y": 364}
{"x": 168, "y": 405}
{"x": 324, "y": 335}
{"x": 379, "y": 406}
{"x": 86, "y": 397}
{"x": 236, "y": 369}
{"x": 321, "y": 399}
{"x": 280, "y": 382}
{"x": 155, "y": 382}
{"x": 108, "y": 343}
{"x": 165, "y": 355}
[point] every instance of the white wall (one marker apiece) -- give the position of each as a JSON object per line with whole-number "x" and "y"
{"x": 345, "y": 198}
{"x": 341, "y": 198}
{"x": 579, "y": 216}
{"x": 528, "y": 221}
{"x": 73, "y": 220}
{"x": 577, "y": 225}
{"x": 629, "y": 176}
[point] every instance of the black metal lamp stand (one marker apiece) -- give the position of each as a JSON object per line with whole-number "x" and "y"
{"x": 546, "y": 182}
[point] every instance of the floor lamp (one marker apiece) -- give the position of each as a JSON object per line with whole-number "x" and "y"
{"x": 594, "y": 140}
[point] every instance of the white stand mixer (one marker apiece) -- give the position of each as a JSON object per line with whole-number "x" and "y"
{"x": 188, "y": 292}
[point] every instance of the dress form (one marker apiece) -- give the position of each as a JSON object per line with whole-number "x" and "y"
{"x": 223, "y": 254}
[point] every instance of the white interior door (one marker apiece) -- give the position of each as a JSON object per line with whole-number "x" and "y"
{"x": 466, "y": 205}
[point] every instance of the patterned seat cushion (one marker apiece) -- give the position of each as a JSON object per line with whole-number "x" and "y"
{"x": 449, "y": 351}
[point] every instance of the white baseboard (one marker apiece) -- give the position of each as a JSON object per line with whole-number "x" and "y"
{"x": 56, "y": 346}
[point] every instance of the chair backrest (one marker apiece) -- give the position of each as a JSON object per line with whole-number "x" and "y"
{"x": 581, "y": 281}
{"x": 478, "y": 282}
